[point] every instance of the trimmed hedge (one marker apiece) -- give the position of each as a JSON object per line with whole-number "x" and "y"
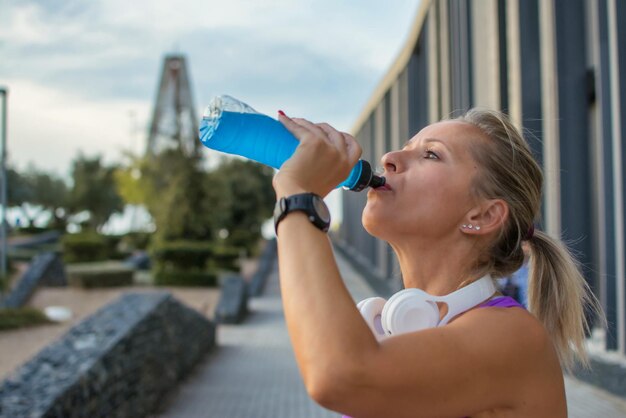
{"x": 95, "y": 275}
{"x": 185, "y": 278}
{"x": 21, "y": 317}
{"x": 84, "y": 247}
{"x": 136, "y": 241}
{"x": 112, "y": 247}
{"x": 182, "y": 255}
{"x": 226, "y": 258}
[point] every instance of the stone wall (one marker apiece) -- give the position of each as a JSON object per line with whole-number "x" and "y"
{"x": 119, "y": 362}
{"x": 46, "y": 269}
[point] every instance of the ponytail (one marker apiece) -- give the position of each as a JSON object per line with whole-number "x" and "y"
{"x": 558, "y": 295}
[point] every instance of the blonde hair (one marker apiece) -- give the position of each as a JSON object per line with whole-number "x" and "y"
{"x": 558, "y": 293}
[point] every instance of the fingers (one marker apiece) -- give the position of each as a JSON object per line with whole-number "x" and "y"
{"x": 346, "y": 142}
{"x": 301, "y": 128}
{"x": 335, "y": 136}
{"x": 353, "y": 147}
{"x": 296, "y": 129}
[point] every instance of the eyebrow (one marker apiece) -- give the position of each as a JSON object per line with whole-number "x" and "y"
{"x": 428, "y": 140}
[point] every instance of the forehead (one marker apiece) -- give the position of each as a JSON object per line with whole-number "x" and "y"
{"x": 456, "y": 135}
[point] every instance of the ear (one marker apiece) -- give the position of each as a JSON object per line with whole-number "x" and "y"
{"x": 486, "y": 218}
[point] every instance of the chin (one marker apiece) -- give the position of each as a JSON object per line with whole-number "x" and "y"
{"x": 372, "y": 222}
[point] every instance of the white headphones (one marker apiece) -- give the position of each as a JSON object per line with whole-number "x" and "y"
{"x": 412, "y": 310}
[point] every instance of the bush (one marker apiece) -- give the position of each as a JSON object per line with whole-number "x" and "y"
{"x": 27, "y": 253}
{"x": 84, "y": 247}
{"x": 247, "y": 240}
{"x": 21, "y": 317}
{"x": 31, "y": 230}
{"x": 95, "y": 275}
{"x": 226, "y": 258}
{"x": 112, "y": 247}
{"x": 136, "y": 241}
{"x": 182, "y": 255}
{"x": 185, "y": 278}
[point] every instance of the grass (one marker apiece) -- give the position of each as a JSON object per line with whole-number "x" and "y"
{"x": 21, "y": 317}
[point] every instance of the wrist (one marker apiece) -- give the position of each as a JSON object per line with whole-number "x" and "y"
{"x": 309, "y": 204}
{"x": 286, "y": 191}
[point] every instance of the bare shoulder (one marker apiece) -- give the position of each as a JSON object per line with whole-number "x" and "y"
{"x": 487, "y": 362}
{"x": 522, "y": 348}
{"x": 514, "y": 328}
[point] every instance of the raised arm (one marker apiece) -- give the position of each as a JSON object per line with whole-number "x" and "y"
{"x": 476, "y": 363}
{"x": 326, "y": 330}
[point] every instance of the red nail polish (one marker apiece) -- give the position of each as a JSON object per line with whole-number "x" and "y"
{"x": 280, "y": 112}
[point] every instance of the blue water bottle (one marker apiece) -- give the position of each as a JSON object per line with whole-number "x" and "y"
{"x": 233, "y": 127}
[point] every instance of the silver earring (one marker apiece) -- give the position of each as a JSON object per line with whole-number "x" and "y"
{"x": 477, "y": 228}
{"x": 470, "y": 226}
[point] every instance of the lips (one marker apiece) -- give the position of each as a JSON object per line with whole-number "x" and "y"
{"x": 385, "y": 186}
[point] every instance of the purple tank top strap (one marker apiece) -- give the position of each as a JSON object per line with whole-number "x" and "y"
{"x": 501, "y": 302}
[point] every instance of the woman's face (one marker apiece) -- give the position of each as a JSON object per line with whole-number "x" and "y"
{"x": 429, "y": 184}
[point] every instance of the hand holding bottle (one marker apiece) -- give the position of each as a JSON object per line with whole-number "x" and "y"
{"x": 233, "y": 127}
{"x": 323, "y": 158}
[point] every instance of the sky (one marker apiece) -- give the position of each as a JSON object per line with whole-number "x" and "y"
{"x": 82, "y": 75}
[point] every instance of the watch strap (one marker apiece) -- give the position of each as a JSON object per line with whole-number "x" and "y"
{"x": 300, "y": 202}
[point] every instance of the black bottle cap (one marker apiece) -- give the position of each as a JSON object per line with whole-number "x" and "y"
{"x": 367, "y": 178}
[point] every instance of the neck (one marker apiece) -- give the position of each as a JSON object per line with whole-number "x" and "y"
{"x": 437, "y": 267}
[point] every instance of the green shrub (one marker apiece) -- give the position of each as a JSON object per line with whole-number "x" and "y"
{"x": 27, "y": 253}
{"x": 182, "y": 255}
{"x": 185, "y": 278}
{"x": 226, "y": 258}
{"x": 112, "y": 247}
{"x": 83, "y": 247}
{"x": 247, "y": 240}
{"x": 21, "y": 317}
{"x": 32, "y": 230}
{"x": 95, "y": 275}
{"x": 136, "y": 241}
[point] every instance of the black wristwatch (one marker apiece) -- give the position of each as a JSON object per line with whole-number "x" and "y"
{"x": 309, "y": 203}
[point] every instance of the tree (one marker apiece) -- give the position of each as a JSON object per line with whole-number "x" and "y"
{"x": 94, "y": 190}
{"x": 51, "y": 194}
{"x": 185, "y": 201}
{"x": 37, "y": 189}
{"x": 251, "y": 200}
{"x": 19, "y": 192}
{"x": 129, "y": 182}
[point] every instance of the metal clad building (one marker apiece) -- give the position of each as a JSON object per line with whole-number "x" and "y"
{"x": 556, "y": 66}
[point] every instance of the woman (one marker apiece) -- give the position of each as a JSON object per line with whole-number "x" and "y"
{"x": 460, "y": 199}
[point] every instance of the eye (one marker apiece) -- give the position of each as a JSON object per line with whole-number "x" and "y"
{"x": 431, "y": 155}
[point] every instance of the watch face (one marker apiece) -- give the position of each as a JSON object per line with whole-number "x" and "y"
{"x": 321, "y": 209}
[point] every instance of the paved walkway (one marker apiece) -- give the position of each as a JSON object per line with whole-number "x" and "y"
{"x": 252, "y": 373}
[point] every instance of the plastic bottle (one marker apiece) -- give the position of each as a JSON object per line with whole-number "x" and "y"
{"x": 233, "y": 127}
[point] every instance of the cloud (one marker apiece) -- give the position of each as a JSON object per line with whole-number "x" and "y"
{"x": 48, "y": 127}
{"x": 75, "y": 69}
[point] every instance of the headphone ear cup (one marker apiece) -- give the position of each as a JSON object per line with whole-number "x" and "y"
{"x": 409, "y": 310}
{"x": 371, "y": 310}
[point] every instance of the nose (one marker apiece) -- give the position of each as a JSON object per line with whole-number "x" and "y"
{"x": 390, "y": 162}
